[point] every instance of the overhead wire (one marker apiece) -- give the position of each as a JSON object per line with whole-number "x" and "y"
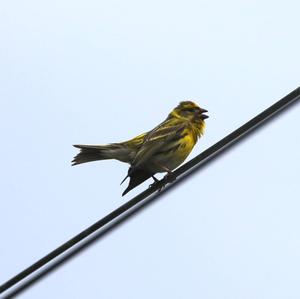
{"x": 178, "y": 174}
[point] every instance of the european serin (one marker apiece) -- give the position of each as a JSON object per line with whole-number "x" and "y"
{"x": 160, "y": 150}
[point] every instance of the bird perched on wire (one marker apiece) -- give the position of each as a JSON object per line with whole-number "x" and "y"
{"x": 160, "y": 150}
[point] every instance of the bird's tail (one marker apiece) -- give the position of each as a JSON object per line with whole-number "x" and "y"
{"x": 89, "y": 153}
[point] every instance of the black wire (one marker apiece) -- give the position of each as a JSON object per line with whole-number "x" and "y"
{"x": 181, "y": 171}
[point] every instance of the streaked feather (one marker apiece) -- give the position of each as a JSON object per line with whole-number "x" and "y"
{"x": 162, "y": 149}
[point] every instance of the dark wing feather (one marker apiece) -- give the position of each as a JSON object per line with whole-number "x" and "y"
{"x": 137, "y": 177}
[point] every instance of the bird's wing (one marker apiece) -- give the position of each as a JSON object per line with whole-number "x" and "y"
{"x": 163, "y": 137}
{"x": 132, "y": 146}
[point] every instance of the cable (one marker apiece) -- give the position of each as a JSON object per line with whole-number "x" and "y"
{"x": 181, "y": 172}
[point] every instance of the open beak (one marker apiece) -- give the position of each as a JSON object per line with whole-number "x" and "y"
{"x": 203, "y": 116}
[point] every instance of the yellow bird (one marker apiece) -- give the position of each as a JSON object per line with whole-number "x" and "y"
{"x": 160, "y": 150}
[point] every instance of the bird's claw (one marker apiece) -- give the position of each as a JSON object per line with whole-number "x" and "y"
{"x": 159, "y": 188}
{"x": 152, "y": 185}
{"x": 169, "y": 177}
{"x": 160, "y": 183}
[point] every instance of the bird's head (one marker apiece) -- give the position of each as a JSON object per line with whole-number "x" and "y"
{"x": 189, "y": 111}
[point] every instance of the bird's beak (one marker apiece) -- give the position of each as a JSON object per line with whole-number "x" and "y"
{"x": 203, "y": 116}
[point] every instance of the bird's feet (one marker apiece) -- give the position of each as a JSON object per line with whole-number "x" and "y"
{"x": 169, "y": 177}
{"x": 155, "y": 181}
{"x": 159, "y": 182}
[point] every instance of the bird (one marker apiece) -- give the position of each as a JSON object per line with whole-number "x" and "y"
{"x": 160, "y": 150}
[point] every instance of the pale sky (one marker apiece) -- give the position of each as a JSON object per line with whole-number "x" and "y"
{"x": 104, "y": 71}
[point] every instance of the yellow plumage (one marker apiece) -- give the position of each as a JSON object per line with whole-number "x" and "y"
{"x": 160, "y": 150}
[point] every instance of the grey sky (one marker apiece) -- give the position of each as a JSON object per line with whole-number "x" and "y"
{"x": 104, "y": 71}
